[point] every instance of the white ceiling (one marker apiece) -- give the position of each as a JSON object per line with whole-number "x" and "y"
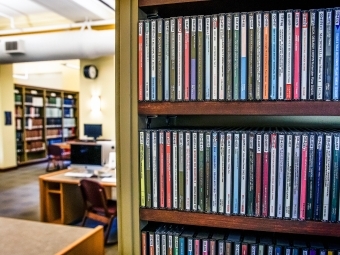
{"x": 20, "y": 14}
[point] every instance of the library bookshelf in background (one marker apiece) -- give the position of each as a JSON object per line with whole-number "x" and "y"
{"x": 255, "y": 77}
{"x": 43, "y": 117}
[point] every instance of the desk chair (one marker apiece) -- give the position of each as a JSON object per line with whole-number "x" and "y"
{"x": 55, "y": 156}
{"x": 97, "y": 206}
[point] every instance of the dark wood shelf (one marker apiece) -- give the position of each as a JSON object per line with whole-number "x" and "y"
{"x": 175, "y": 8}
{"x": 239, "y": 108}
{"x": 241, "y": 222}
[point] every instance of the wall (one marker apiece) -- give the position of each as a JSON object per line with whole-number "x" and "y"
{"x": 7, "y": 132}
{"x": 48, "y": 74}
{"x": 104, "y": 87}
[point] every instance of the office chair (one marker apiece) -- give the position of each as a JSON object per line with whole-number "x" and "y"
{"x": 55, "y": 156}
{"x": 97, "y": 206}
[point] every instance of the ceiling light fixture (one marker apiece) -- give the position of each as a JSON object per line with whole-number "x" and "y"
{"x": 21, "y": 76}
{"x": 73, "y": 66}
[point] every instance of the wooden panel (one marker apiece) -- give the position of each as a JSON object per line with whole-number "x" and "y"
{"x": 264, "y": 108}
{"x": 240, "y": 222}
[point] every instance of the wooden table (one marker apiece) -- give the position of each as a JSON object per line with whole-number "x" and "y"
{"x": 60, "y": 197}
{"x": 19, "y": 237}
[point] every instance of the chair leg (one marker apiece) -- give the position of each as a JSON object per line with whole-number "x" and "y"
{"x": 107, "y": 231}
{"x": 83, "y": 221}
{"x": 48, "y": 166}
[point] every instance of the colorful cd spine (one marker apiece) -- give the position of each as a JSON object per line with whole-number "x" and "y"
{"x": 147, "y": 60}
{"x": 236, "y": 56}
{"x": 180, "y": 164}
{"x": 304, "y": 55}
{"x": 327, "y": 177}
{"x": 303, "y": 177}
{"x": 297, "y": 56}
{"x": 258, "y": 56}
{"x": 154, "y": 169}
{"x": 273, "y": 175}
{"x": 251, "y": 174}
{"x": 335, "y": 180}
{"x": 140, "y": 60}
{"x": 273, "y": 55}
{"x": 236, "y": 175}
{"x": 142, "y": 168}
{"x": 214, "y": 59}
{"x": 208, "y": 175}
{"x": 201, "y": 176}
{"x": 200, "y": 57}
{"x": 251, "y": 52}
{"x": 296, "y": 176}
{"x": 328, "y": 61}
{"x": 336, "y": 54}
{"x": 280, "y": 175}
{"x": 193, "y": 58}
{"x": 214, "y": 171}
{"x": 265, "y": 52}
{"x": 312, "y": 55}
{"x": 221, "y": 172}
{"x": 160, "y": 58}
{"x": 207, "y": 59}
{"x": 320, "y": 54}
{"x": 265, "y": 175}
{"x": 244, "y": 58}
{"x": 258, "y": 174}
{"x": 180, "y": 58}
{"x": 194, "y": 168}
{"x": 318, "y": 177}
{"x": 186, "y": 60}
{"x": 288, "y": 176}
{"x": 173, "y": 63}
{"x": 148, "y": 183}
{"x": 310, "y": 177}
{"x": 221, "y": 57}
{"x": 188, "y": 172}
{"x": 166, "y": 59}
{"x": 229, "y": 167}
{"x": 162, "y": 169}
{"x": 229, "y": 57}
{"x": 153, "y": 58}
{"x": 289, "y": 55}
{"x": 281, "y": 56}
{"x": 170, "y": 173}
{"x": 243, "y": 171}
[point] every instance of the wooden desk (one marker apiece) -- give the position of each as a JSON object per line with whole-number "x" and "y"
{"x": 32, "y": 237}
{"x": 60, "y": 197}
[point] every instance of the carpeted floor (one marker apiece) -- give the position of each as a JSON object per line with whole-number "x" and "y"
{"x": 19, "y": 195}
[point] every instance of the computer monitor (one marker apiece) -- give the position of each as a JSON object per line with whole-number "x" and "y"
{"x": 93, "y": 130}
{"x": 86, "y": 156}
{"x": 107, "y": 148}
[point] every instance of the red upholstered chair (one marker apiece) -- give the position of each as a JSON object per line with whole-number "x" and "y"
{"x": 97, "y": 206}
{"x": 56, "y": 156}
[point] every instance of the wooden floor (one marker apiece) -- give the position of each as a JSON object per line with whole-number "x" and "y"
{"x": 19, "y": 195}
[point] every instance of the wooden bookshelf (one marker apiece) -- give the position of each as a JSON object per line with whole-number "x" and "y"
{"x": 130, "y": 116}
{"x": 42, "y": 118}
